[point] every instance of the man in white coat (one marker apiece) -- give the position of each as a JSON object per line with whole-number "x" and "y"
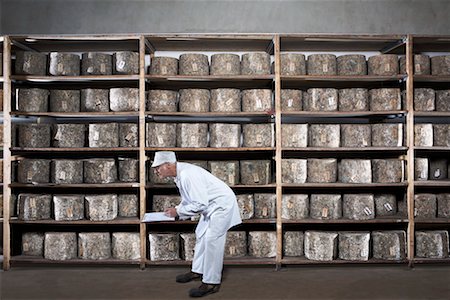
{"x": 201, "y": 194}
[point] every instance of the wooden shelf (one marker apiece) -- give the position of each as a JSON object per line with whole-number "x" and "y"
{"x": 189, "y": 222}
{"x": 345, "y": 185}
{"x": 227, "y": 261}
{"x": 432, "y": 183}
{"x": 108, "y": 114}
{"x": 210, "y": 81}
{"x": 345, "y": 114}
{"x": 117, "y": 221}
{"x": 432, "y": 149}
{"x": 444, "y": 221}
{"x": 78, "y": 43}
{"x": 79, "y": 185}
{"x": 74, "y": 79}
{"x": 346, "y": 221}
{"x": 431, "y": 78}
{"x": 431, "y": 114}
{"x": 210, "y": 42}
{"x": 341, "y": 78}
{"x": 121, "y": 150}
{"x": 211, "y": 149}
{"x": 340, "y": 42}
{"x": 24, "y": 259}
{"x": 240, "y": 186}
{"x": 347, "y": 149}
{"x": 304, "y": 261}
{"x": 418, "y": 260}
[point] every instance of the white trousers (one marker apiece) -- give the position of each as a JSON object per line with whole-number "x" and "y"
{"x": 208, "y": 257}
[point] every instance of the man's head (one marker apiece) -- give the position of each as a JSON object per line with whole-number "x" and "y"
{"x": 164, "y": 164}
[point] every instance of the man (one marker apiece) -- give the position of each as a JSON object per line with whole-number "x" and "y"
{"x": 205, "y": 195}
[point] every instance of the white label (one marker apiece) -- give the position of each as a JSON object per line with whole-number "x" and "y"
{"x": 324, "y": 212}
{"x": 160, "y": 140}
{"x": 400, "y": 135}
{"x": 62, "y": 175}
{"x": 32, "y": 202}
{"x": 194, "y": 67}
{"x": 102, "y": 68}
{"x": 90, "y": 69}
{"x": 255, "y": 177}
{"x": 232, "y": 250}
{"x": 228, "y": 67}
{"x": 259, "y": 139}
{"x": 121, "y": 64}
{"x": 437, "y": 173}
{"x": 331, "y": 101}
{"x": 164, "y": 70}
{"x": 231, "y": 179}
{"x": 265, "y": 212}
{"x": 96, "y": 136}
{"x": 417, "y": 68}
{"x": 292, "y": 67}
{"x": 290, "y": 102}
{"x": 26, "y": 65}
{"x": 129, "y": 136}
{"x": 367, "y": 211}
{"x": 69, "y": 212}
{"x": 29, "y": 175}
{"x": 325, "y": 68}
{"x": 388, "y": 207}
{"x": 229, "y": 102}
{"x": 387, "y": 68}
{"x": 60, "y": 67}
{"x": 392, "y": 251}
{"x": 25, "y": 247}
{"x": 171, "y": 247}
{"x": 415, "y": 211}
{"x": 258, "y": 103}
{"x": 364, "y": 252}
{"x": 64, "y": 105}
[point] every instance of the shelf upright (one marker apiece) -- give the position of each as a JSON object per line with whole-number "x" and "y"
{"x": 6, "y": 152}
{"x": 410, "y": 143}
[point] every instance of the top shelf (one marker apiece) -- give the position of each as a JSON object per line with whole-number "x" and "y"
{"x": 76, "y": 43}
{"x": 430, "y": 43}
{"x": 395, "y": 44}
{"x": 221, "y": 42}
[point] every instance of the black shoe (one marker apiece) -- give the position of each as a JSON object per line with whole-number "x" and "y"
{"x": 183, "y": 278}
{"x": 204, "y": 289}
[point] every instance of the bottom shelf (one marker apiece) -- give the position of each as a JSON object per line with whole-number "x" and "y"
{"x": 304, "y": 261}
{"x": 26, "y": 259}
{"x": 419, "y": 260}
{"x": 227, "y": 261}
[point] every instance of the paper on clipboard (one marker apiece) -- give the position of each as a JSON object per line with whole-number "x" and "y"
{"x": 156, "y": 217}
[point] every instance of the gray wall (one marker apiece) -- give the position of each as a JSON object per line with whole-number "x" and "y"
{"x": 308, "y": 16}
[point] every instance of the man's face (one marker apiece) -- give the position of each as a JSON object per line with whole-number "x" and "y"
{"x": 163, "y": 170}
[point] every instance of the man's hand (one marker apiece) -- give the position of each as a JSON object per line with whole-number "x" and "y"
{"x": 171, "y": 212}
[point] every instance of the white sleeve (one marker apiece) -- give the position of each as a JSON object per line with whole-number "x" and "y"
{"x": 197, "y": 195}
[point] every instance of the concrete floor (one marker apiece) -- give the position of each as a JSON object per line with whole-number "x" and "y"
{"x": 331, "y": 282}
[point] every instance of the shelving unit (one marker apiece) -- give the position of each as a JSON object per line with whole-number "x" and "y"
{"x": 45, "y": 44}
{"x": 367, "y": 45}
{"x": 150, "y": 46}
{"x": 170, "y": 46}
{"x": 431, "y": 46}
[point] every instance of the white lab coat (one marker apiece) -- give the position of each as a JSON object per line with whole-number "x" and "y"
{"x": 204, "y": 194}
